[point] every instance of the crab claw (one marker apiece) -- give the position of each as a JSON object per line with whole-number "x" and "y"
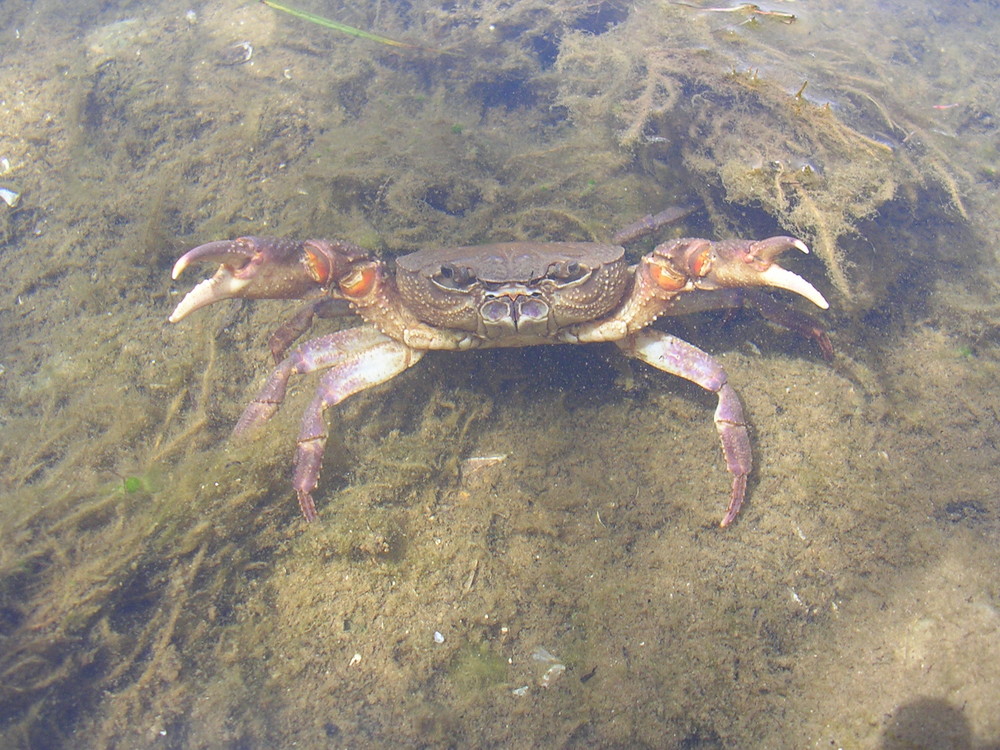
{"x": 264, "y": 268}
{"x": 736, "y": 263}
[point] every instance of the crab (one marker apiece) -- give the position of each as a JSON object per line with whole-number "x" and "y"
{"x": 494, "y": 295}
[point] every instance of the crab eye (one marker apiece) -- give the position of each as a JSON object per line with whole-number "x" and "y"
{"x": 567, "y": 271}
{"x": 451, "y": 276}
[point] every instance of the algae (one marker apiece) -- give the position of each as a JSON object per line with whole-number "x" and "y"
{"x": 745, "y": 138}
{"x": 477, "y": 668}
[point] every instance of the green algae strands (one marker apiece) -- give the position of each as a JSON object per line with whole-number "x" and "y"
{"x": 343, "y": 27}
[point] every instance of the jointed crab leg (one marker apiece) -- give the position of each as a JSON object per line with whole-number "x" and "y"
{"x": 355, "y": 359}
{"x": 671, "y": 354}
{"x": 377, "y": 363}
{"x": 289, "y": 331}
{"x": 317, "y": 354}
{"x": 778, "y": 312}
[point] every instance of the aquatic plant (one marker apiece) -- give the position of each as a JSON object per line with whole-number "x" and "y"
{"x": 744, "y": 137}
{"x": 343, "y": 27}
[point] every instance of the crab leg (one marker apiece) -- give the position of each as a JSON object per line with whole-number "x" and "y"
{"x": 316, "y": 354}
{"x": 779, "y": 313}
{"x": 671, "y": 354}
{"x": 289, "y": 331}
{"x": 355, "y": 359}
{"x": 353, "y": 372}
{"x": 649, "y": 224}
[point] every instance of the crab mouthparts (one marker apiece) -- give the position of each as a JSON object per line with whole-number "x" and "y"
{"x": 514, "y": 314}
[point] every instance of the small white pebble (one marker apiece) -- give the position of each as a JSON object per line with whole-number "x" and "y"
{"x": 552, "y": 674}
{"x": 438, "y": 638}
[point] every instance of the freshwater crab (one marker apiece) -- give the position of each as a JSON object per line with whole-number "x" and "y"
{"x": 495, "y": 295}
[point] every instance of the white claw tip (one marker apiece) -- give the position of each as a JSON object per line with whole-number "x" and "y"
{"x": 780, "y": 278}
{"x": 179, "y": 267}
{"x": 800, "y": 245}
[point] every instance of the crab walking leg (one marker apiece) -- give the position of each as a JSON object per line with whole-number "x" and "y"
{"x": 288, "y": 332}
{"x": 317, "y": 354}
{"x": 671, "y": 354}
{"x": 379, "y": 362}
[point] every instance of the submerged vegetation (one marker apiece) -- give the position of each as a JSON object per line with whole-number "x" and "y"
{"x": 329, "y": 23}
{"x": 184, "y": 601}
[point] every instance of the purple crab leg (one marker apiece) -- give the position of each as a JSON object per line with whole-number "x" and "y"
{"x": 316, "y": 354}
{"x": 355, "y": 359}
{"x": 649, "y": 224}
{"x": 671, "y": 354}
{"x": 355, "y": 372}
{"x": 779, "y": 313}
{"x": 289, "y": 331}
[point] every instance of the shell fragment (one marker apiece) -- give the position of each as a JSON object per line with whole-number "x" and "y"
{"x": 10, "y": 197}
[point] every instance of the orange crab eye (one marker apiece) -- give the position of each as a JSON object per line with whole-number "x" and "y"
{"x": 664, "y": 278}
{"x": 317, "y": 266}
{"x": 359, "y": 282}
{"x": 702, "y": 263}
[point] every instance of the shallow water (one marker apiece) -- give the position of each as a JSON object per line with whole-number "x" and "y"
{"x": 158, "y": 587}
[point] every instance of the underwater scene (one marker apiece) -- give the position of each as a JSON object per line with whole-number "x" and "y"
{"x": 511, "y": 544}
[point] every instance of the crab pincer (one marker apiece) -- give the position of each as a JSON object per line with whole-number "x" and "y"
{"x": 264, "y": 268}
